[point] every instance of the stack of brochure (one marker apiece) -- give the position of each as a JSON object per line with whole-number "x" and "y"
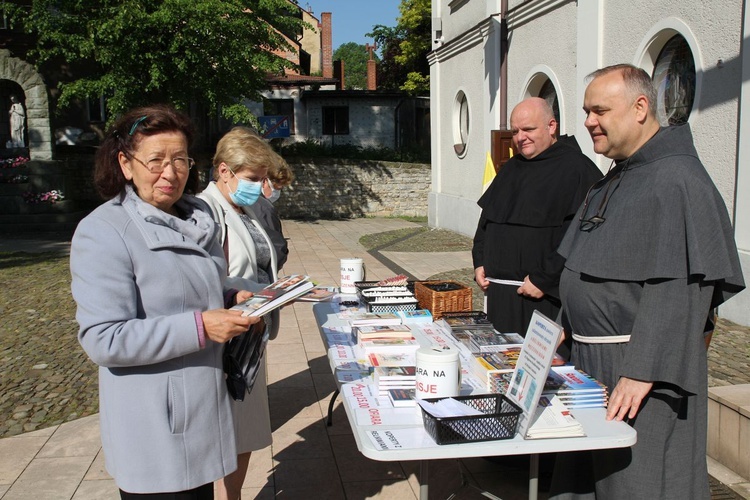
{"x": 553, "y": 419}
{"x": 575, "y": 388}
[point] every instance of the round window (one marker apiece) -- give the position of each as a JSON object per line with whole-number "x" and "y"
{"x": 674, "y": 78}
{"x": 460, "y": 124}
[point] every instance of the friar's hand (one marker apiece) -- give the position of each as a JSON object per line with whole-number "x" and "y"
{"x": 481, "y": 278}
{"x": 528, "y": 289}
{"x": 626, "y": 399}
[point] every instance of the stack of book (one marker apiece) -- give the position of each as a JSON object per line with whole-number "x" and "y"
{"x": 394, "y": 377}
{"x": 575, "y": 388}
{"x": 362, "y": 318}
{"x": 385, "y": 339}
{"x": 489, "y": 368}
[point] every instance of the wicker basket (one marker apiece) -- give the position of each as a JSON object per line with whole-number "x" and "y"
{"x": 455, "y": 297}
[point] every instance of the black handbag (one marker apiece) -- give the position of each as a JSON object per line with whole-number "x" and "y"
{"x": 242, "y": 360}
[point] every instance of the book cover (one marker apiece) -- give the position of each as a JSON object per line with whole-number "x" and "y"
{"x": 383, "y": 373}
{"x": 420, "y": 316}
{"x": 388, "y": 345}
{"x": 275, "y": 295}
{"x": 319, "y": 294}
{"x": 345, "y": 376}
{"x": 363, "y": 318}
{"x": 393, "y": 359}
{"x": 402, "y": 398}
{"x": 568, "y": 379}
{"x": 384, "y": 331}
{"x": 467, "y": 319}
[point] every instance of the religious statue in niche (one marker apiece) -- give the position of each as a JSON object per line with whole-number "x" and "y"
{"x": 17, "y": 117}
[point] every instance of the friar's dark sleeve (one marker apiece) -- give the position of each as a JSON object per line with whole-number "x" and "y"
{"x": 477, "y": 250}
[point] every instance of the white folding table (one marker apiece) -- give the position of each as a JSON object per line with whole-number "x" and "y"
{"x": 600, "y": 433}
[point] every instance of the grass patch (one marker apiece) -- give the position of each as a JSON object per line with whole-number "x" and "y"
{"x": 418, "y": 239}
{"x": 378, "y": 240}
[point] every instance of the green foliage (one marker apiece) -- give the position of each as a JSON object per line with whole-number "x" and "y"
{"x": 404, "y": 49}
{"x": 210, "y": 52}
{"x": 313, "y": 149}
{"x": 355, "y": 58}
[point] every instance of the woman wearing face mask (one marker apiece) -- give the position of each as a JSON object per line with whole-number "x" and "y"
{"x": 240, "y": 169}
{"x": 279, "y": 176}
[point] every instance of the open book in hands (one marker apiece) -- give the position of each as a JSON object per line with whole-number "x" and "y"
{"x": 275, "y": 295}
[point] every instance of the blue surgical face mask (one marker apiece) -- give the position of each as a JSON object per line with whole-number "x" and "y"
{"x": 275, "y": 193}
{"x": 247, "y": 192}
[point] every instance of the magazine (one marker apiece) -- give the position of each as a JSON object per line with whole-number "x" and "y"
{"x": 319, "y": 294}
{"x": 275, "y": 295}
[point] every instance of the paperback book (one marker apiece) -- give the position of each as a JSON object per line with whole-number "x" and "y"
{"x": 420, "y": 316}
{"x": 383, "y": 331}
{"x": 275, "y": 295}
{"x": 364, "y": 318}
{"x": 402, "y": 398}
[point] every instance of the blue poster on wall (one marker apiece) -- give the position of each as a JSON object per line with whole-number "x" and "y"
{"x": 274, "y": 126}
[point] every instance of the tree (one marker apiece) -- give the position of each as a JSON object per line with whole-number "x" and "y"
{"x": 405, "y": 47}
{"x": 209, "y": 52}
{"x": 355, "y": 58}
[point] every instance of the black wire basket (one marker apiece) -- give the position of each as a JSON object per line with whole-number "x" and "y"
{"x": 499, "y": 420}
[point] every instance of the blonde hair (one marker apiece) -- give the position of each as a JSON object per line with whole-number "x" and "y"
{"x": 280, "y": 174}
{"x": 242, "y": 149}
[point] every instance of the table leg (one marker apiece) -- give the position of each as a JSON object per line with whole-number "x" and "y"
{"x": 330, "y": 407}
{"x": 423, "y": 480}
{"x": 533, "y": 476}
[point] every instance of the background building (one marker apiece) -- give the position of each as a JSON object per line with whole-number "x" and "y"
{"x": 693, "y": 49}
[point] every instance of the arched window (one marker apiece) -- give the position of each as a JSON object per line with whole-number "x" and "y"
{"x": 460, "y": 123}
{"x": 674, "y": 78}
{"x": 549, "y": 94}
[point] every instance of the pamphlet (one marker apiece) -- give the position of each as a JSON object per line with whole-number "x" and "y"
{"x": 275, "y": 295}
{"x": 505, "y": 282}
{"x": 532, "y": 367}
{"x": 553, "y": 419}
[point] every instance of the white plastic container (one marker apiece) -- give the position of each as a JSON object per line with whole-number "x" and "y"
{"x": 352, "y": 270}
{"x": 438, "y": 372}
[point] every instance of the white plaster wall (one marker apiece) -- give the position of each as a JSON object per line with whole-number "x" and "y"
{"x": 552, "y": 41}
{"x": 458, "y": 185}
{"x": 462, "y": 17}
{"x": 717, "y": 28}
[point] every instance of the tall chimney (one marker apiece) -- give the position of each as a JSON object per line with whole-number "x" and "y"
{"x": 372, "y": 82}
{"x": 326, "y": 44}
{"x": 338, "y": 73}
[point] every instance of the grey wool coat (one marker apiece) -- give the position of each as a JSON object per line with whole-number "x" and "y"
{"x": 139, "y": 275}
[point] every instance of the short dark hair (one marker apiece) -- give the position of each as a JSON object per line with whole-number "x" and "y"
{"x": 637, "y": 82}
{"x": 125, "y": 135}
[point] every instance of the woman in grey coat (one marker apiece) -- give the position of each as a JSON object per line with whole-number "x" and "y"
{"x": 148, "y": 280}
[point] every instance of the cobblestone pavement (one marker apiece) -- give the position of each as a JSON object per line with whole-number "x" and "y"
{"x": 46, "y": 379}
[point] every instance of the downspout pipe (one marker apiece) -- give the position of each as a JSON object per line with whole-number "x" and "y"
{"x": 504, "y": 65}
